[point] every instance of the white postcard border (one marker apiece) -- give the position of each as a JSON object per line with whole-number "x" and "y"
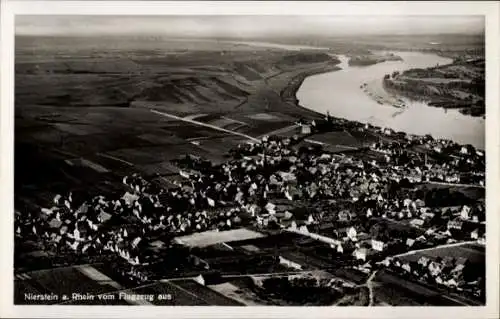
{"x": 10, "y": 8}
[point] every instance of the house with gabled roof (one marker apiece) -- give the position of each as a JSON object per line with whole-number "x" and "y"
{"x": 345, "y": 215}
{"x": 421, "y": 239}
{"x": 378, "y": 245}
{"x": 435, "y": 268}
{"x": 466, "y": 212}
{"x": 424, "y": 261}
{"x": 406, "y": 266}
{"x": 455, "y": 224}
{"x": 410, "y": 242}
{"x": 363, "y": 253}
{"x": 452, "y": 283}
{"x": 352, "y": 233}
{"x": 476, "y": 233}
{"x": 303, "y": 229}
{"x": 417, "y": 222}
{"x": 439, "y": 280}
{"x": 430, "y": 230}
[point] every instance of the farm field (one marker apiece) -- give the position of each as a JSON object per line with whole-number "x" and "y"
{"x": 336, "y": 138}
{"x": 93, "y": 109}
{"x": 210, "y": 296}
{"x": 359, "y": 298}
{"x": 310, "y": 254}
{"x": 243, "y": 290}
{"x": 65, "y": 281}
{"x": 23, "y": 287}
{"x": 474, "y": 193}
{"x": 475, "y": 253}
{"x": 233, "y": 291}
{"x": 208, "y": 238}
{"x": 87, "y": 115}
{"x": 281, "y": 240}
{"x": 397, "y": 291}
{"x": 179, "y": 296}
{"x": 350, "y": 274}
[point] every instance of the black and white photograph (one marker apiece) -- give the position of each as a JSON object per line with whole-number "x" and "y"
{"x": 333, "y": 160}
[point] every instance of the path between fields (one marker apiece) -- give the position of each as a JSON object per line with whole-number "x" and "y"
{"x": 369, "y": 285}
{"x": 294, "y": 126}
{"x": 115, "y": 158}
{"x": 242, "y": 275}
{"x": 190, "y": 293}
{"x": 411, "y": 252}
{"x": 455, "y": 184}
{"x": 281, "y": 130}
{"x": 205, "y": 125}
{"x": 336, "y": 145}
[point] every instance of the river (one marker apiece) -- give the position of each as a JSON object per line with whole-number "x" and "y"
{"x": 339, "y": 93}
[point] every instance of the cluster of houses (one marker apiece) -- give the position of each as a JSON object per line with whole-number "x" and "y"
{"x": 83, "y": 228}
{"x": 347, "y": 241}
{"x": 447, "y": 272}
{"x": 248, "y": 188}
{"x": 350, "y": 236}
{"x": 450, "y": 159}
{"x": 331, "y": 177}
{"x": 402, "y": 160}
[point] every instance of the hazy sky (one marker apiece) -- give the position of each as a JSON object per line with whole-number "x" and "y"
{"x": 246, "y": 26}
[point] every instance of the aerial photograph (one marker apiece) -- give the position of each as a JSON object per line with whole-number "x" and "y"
{"x": 249, "y": 160}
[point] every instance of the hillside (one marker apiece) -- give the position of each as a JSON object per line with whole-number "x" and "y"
{"x": 83, "y": 109}
{"x": 196, "y": 79}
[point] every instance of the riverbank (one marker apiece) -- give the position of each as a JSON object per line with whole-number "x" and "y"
{"x": 341, "y": 93}
{"x": 240, "y": 91}
{"x": 375, "y": 90}
{"x": 289, "y": 93}
{"x": 459, "y": 85}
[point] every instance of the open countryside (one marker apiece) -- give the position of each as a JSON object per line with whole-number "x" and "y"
{"x": 159, "y": 171}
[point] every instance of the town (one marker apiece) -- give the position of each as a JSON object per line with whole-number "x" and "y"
{"x": 158, "y": 166}
{"x": 404, "y": 209}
